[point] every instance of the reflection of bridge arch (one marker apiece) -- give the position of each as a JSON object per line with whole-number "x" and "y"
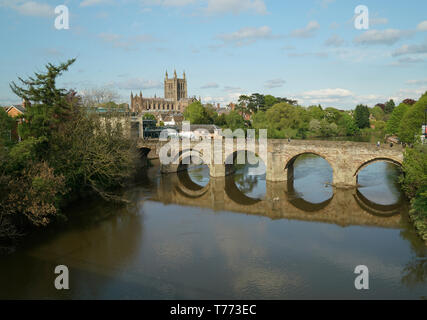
{"x": 293, "y": 198}
{"x": 375, "y": 209}
{"x": 303, "y": 204}
{"x": 188, "y": 187}
{"x": 363, "y": 165}
{"x": 343, "y": 209}
{"x": 236, "y": 194}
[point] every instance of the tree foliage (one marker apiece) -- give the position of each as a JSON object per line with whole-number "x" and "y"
{"x": 393, "y": 123}
{"x": 361, "y": 116}
{"x": 65, "y": 151}
{"x": 412, "y": 120}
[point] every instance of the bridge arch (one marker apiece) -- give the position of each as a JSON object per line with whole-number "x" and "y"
{"x": 366, "y": 163}
{"x": 290, "y": 161}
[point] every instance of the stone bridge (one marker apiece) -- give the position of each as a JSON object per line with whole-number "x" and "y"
{"x": 345, "y": 158}
{"x": 346, "y": 207}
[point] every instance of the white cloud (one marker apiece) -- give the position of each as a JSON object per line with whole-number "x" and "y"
{"x": 210, "y": 85}
{"x": 384, "y": 37}
{"x": 29, "y": 8}
{"x": 224, "y": 100}
{"x": 422, "y": 26}
{"x": 232, "y": 89}
{"x": 410, "y": 49}
{"x": 275, "y": 83}
{"x": 169, "y": 3}
{"x": 334, "y": 41}
{"x": 416, "y": 82}
{"x": 213, "y": 7}
{"x": 235, "y": 6}
{"x": 306, "y": 32}
{"x": 327, "y": 93}
{"x": 246, "y": 36}
{"x": 410, "y": 60}
{"x": 378, "y": 20}
{"x": 88, "y": 3}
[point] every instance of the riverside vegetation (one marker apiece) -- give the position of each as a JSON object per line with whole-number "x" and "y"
{"x": 66, "y": 152}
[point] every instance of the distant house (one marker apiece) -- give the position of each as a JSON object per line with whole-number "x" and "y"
{"x": 171, "y": 120}
{"x": 16, "y": 111}
{"x": 200, "y": 130}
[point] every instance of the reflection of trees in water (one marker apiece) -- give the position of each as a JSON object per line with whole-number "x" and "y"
{"x": 198, "y": 173}
{"x": 244, "y": 182}
{"x": 415, "y": 271}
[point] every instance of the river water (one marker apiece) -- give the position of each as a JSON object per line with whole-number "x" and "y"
{"x": 185, "y": 236}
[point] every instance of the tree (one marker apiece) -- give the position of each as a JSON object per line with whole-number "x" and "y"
{"x": 66, "y": 150}
{"x": 316, "y": 112}
{"x": 378, "y": 113}
{"x": 149, "y": 116}
{"x": 389, "y": 106}
{"x": 393, "y": 123}
{"x": 269, "y": 101}
{"x": 221, "y": 120}
{"x": 48, "y": 107}
{"x": 95, "y": 97}
{"x": 235, "y": 121}
{"x": 347, "y": 125}
{"x": 361, "y": 116}
{"x": 412, "y": 120}
{"x": 283, "y": 121}
{"x": 6, "y": 125}
{"x": 197, "y": 114}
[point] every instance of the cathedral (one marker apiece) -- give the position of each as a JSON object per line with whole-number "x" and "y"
{"x": 175, "y": 100}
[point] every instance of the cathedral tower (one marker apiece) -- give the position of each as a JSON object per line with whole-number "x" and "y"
{"x": 175, "y": 88}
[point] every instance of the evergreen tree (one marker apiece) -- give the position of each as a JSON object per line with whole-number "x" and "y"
{"x": 361, "y": 116}
{"x": 389, "y": 106}
{"x": 47, "y": 106}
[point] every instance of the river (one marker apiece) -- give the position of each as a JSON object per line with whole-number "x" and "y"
{"x": 185, "y": 236}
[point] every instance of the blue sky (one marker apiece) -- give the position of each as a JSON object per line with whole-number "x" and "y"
{"x": 309, "y": 50}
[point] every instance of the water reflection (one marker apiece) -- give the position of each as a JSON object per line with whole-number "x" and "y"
{"x": 308, "y": 173}
{"x": 281, "y": 199}
{"x": 379, "y": 183}
{"x": 181, "y": 238}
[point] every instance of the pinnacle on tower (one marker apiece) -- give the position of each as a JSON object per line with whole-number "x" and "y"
{"x": 174, "y": 74}
{"x": 166, "y": 74}
{"x": 184, "y": 74}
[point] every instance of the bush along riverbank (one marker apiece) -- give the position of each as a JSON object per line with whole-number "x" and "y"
{"x": 66, "y": 151}
{"x": 414, "y": 184}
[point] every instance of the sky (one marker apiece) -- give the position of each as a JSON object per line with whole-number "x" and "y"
{"x": 308, "y": 50}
